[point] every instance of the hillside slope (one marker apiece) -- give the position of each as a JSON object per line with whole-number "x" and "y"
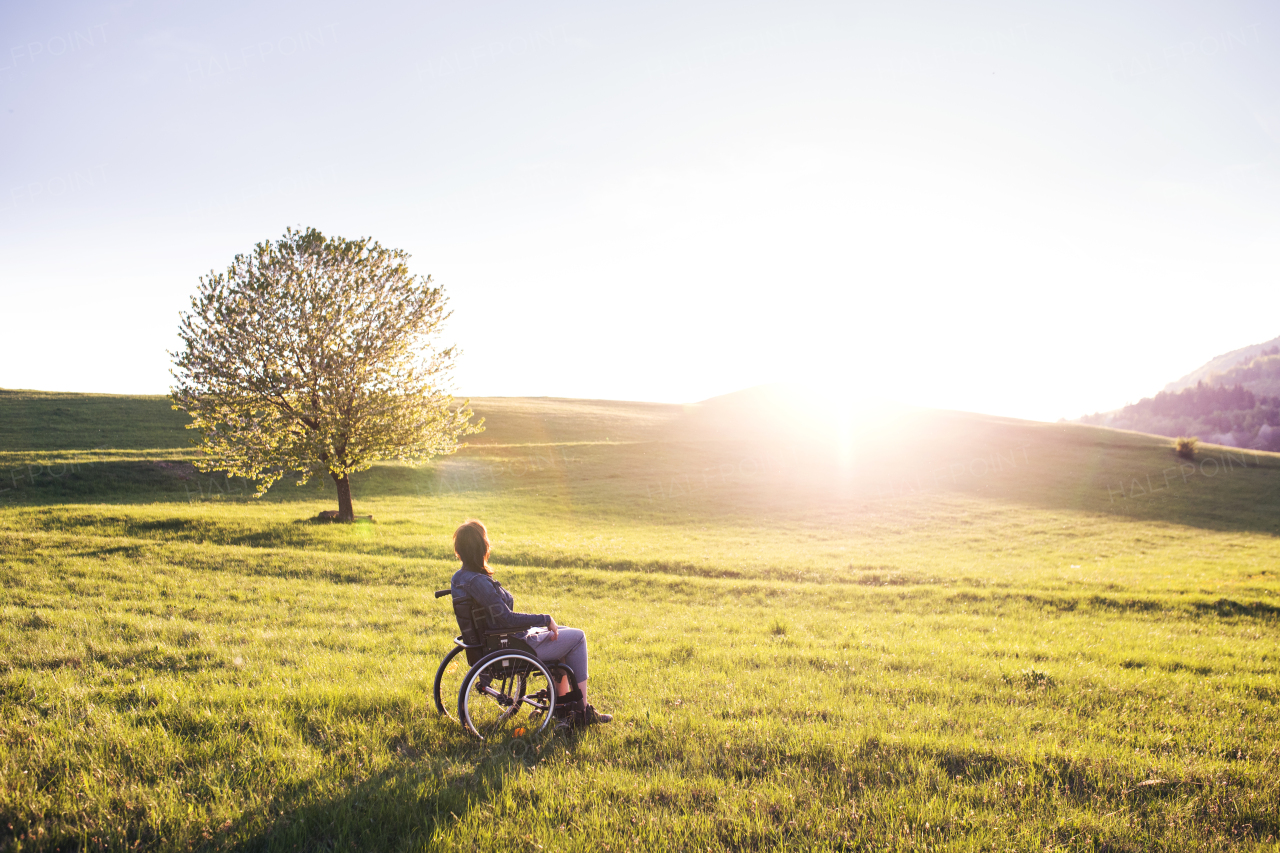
{"x": 1228, "y": 415}
{"x": 45, "y": 420}
{"x": 1237, "y": 406}
{"x": 1260, "y": 375}
{"x": 1221, "y": 364}
{"x": 744, "y": 455}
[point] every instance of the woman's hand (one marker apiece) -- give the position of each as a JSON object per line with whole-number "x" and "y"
{"x": 553, "y": 628}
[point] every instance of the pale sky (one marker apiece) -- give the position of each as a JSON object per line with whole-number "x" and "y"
{"x": 1034, "y": 210}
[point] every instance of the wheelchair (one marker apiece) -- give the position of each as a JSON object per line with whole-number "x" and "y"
{"x": 502, "y": 680}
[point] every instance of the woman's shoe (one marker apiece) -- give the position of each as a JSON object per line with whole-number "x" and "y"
{"x": 591, "y": 715}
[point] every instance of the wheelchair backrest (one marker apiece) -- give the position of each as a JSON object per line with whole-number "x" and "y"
{"x": 470, "y": 622}
{"x": 471, "y": 625}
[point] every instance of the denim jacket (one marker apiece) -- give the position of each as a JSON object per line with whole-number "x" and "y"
{"x": 488, "y": 595}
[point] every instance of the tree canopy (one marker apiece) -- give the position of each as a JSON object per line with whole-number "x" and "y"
{"x": 316, "y": 355}
{"x": 1227, "y": 414}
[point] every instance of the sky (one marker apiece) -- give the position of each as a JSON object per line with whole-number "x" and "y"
{"x": 1031, "y": 210}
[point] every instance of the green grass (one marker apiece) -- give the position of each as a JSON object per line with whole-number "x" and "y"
{"x": 889, "y": 647}
{"x": 53, "y": 421}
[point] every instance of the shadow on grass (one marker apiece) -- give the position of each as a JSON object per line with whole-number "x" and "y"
{"x": 131, "y": 552}
{"x": 404, "y": 806}
{"x": 167, "y": 525}
{"x": 1224, "y": 489}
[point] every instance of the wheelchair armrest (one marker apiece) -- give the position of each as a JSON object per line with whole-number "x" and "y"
{"x": 505, "y": 632}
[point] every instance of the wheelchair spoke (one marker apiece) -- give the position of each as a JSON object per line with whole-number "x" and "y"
{"x": 513, "y": 708}
{"x": 498, "y": 692}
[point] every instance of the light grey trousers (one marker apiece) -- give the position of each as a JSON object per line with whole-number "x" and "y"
{"x": 570, "y": 647}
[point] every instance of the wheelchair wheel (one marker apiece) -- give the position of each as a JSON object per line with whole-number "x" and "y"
{"x": 508, "y": 693}
{"x": 449, "y": 680}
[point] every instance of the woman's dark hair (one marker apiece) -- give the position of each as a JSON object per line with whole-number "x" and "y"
{"x": 471, "y": 543}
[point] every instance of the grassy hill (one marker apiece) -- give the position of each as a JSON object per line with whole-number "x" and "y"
{"x": 937, "y": 630}
{"x": 83, "y": 423}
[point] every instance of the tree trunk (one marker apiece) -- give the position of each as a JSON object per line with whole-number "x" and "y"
{"x": 345, "y": 512}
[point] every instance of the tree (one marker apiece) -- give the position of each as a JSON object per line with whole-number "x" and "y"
{"x": 314, "y": 355}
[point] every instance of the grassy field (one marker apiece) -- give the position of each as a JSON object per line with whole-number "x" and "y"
{"x": 955, "y": 632}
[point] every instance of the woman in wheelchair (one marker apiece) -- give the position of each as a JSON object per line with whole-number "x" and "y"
{"x": 473, "y": 585}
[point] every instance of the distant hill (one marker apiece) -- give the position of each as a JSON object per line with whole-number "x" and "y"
{"x": 1222, "y": 364}
{"x": 1260, "y": 375}
{"x": 49, "y": 420}
{"x": 1234, "y": 400}
{"x": 147, "y": 426}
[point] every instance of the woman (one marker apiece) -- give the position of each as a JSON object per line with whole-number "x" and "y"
{"x": 474, "y": 583}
